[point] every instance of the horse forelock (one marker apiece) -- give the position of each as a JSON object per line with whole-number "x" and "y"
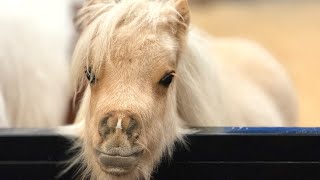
{"x": 106, "y": 21}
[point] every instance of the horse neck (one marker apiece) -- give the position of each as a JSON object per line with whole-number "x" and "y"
{"x": 199, "y": 94}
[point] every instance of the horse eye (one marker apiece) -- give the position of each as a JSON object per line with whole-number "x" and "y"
{"x": 90, "y": 75}
{"x": 166, "y": 80}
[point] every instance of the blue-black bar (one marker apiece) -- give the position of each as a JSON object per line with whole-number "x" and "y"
{"x": 211, "y": 153}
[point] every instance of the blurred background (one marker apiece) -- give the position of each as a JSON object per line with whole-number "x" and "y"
{"x": 289, "y": 29}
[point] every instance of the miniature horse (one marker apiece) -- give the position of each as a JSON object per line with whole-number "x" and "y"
{"x": 149, "y": 76}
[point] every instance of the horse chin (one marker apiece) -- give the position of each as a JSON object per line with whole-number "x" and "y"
{"x": 116, "y": 171}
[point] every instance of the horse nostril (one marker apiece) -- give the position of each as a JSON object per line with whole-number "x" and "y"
{"x": 133, "y": 128}
{"x": 104, "y": 129}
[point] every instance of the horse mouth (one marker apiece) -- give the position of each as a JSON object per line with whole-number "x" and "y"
{"x": 118, "y": 162}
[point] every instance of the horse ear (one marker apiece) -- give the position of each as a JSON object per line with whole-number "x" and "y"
{"x": 86, "y": 14}
{"x": 183, "y": 9}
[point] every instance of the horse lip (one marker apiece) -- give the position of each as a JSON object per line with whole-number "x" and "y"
{"x": 117, "y": 161}
{"x": 121, "y": 152}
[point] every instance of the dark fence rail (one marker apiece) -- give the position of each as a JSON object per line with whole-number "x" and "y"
{"x": 212, "y": 153}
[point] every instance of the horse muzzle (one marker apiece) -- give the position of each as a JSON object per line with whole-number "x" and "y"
{"x": 119, "y": 161}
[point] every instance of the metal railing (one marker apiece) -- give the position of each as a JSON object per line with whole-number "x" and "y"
{"x": 212, "y": 153}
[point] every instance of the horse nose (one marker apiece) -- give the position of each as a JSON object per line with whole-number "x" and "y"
{"x": 118, "y": 153}
{"x": 120, "y": 123}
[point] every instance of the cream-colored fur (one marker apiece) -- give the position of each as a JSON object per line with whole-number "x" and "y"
{"x": 242, "y": 82}
{"x": 130, "y": 45}
{"x": 35, "y": 53}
